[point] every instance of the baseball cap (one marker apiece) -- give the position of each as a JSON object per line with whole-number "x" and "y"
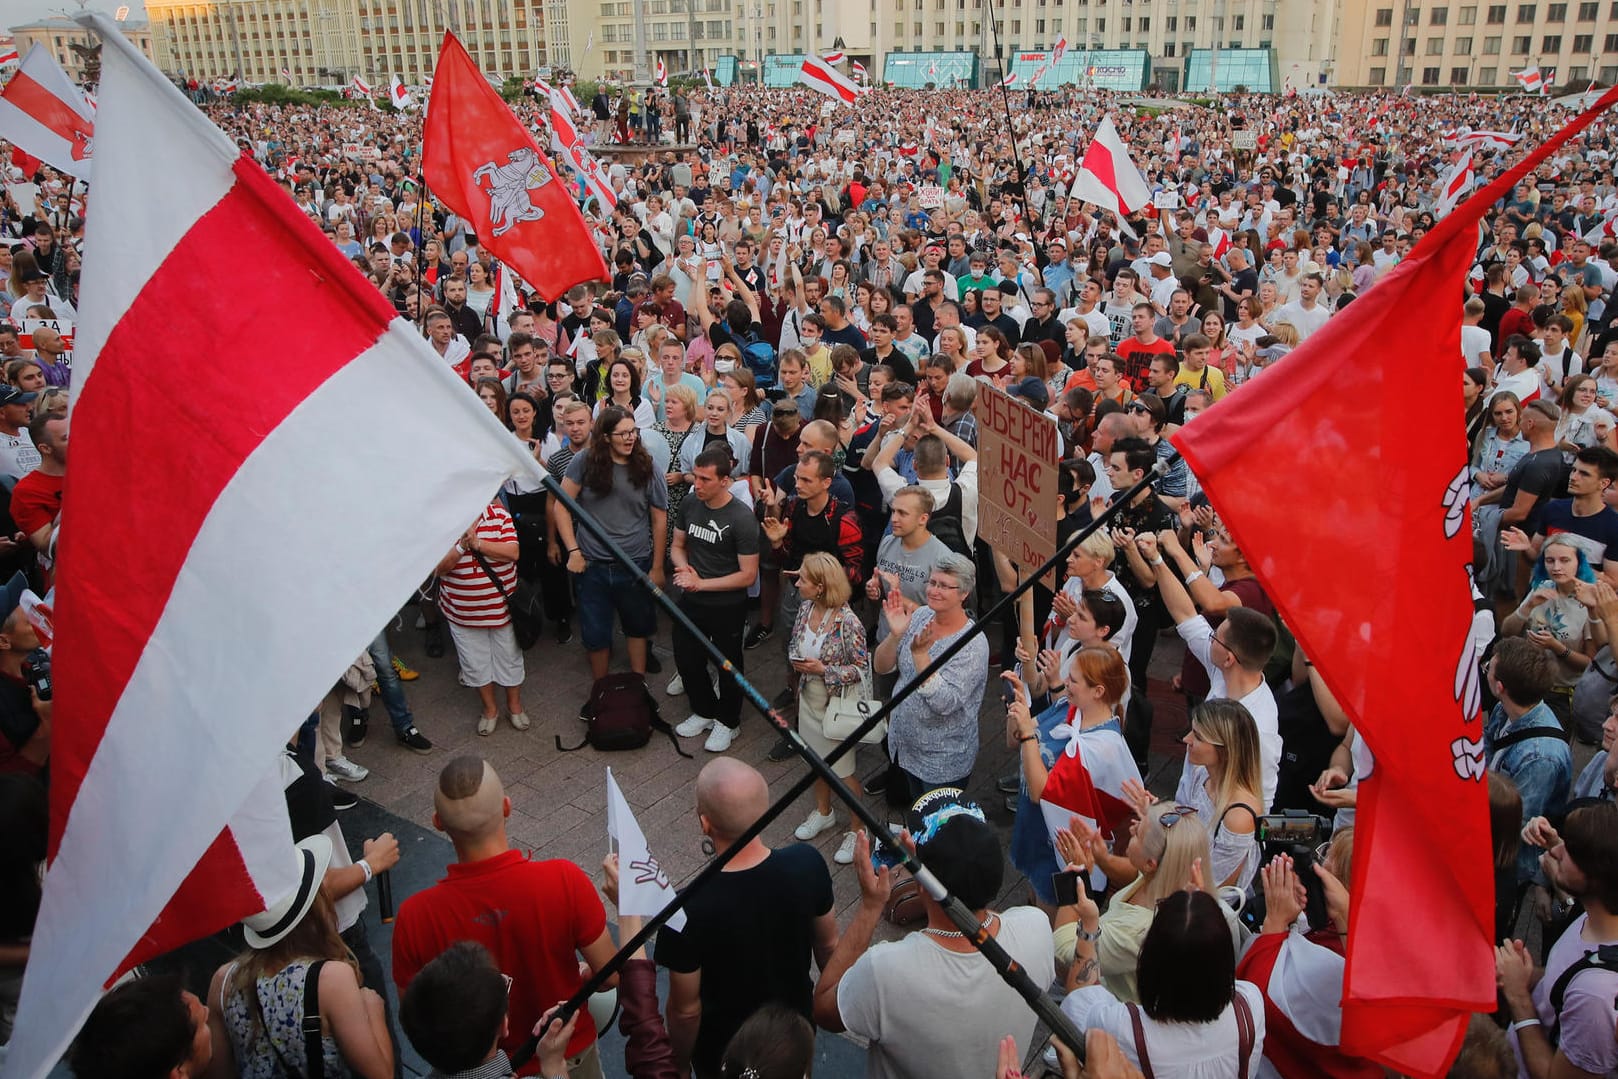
{"x": 1033, "y": 390}
{"x": 11, "y": 595}
{"x": 11, "y": 395}
{"x": 1162, "y": 258}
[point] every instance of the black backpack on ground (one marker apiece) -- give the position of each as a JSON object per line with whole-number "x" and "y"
{"x": 626, "y": 714}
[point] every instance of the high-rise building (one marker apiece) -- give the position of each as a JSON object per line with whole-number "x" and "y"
{"x": 58, "y": 36}
{"x": 1444, "y": 45}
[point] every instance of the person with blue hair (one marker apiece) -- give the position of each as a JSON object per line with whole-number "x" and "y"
{"x": 1555, "y": 615}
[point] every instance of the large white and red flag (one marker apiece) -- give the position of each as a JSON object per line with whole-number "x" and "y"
{"x": 1455, "y": 185}
{"x": 42, "y": 112}
{"x": 569, "y": 146}
{"x": 1422, "y": 865}
{"x": 1088, "y": 781}
{"x": 399, "y": 95}
{"x": 483, "y": 164}
{"x": 1488, "y": 140}
{"x": 1107, "y": 176}
{"x": 832, "y": 57}
{"x": 819, "y": 75}
{"x": 662, "y": 72}
{"x": 1060, "y": 50}
{"x": 208, "y": 594}
{"x": 361, "y": 87}
{"x": 1010, "y": 80}
{"x": 1532, "y": 80}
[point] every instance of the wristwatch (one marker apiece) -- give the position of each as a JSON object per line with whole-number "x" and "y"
{"x": 1085, "y": 935}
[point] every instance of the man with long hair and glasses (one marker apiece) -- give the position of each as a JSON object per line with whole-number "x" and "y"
{"x": 616, "y": 483}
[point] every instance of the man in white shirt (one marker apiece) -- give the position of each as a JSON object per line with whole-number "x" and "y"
{"x": 931, "y": 259}
{"x": 1164, "y": 283}
{"x": 1088, "y": 309}
{"x": 1306, "y": 314}
{"x": 17, "y": 454}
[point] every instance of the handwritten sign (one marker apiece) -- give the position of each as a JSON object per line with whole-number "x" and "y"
{"x": 1166, "y": 200}
{"x": 1017, "y": 478}
{"x": 355, "y": 151}
{"x": 829, "y": 109}
{"x": 844, "y": 137}
{"x": 930, "y": 197}
{"x": 1244, "y": 140}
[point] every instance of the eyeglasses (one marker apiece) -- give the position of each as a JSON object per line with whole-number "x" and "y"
{"x": 633, "y": 432}
{"x": 1136, "y": 408}
{"x": 1173, "y": 816}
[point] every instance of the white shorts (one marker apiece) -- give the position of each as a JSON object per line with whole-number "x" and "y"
{"x": 487, "y": 655}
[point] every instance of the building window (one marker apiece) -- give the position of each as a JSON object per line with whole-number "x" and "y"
{"x": 1191, "y": 23}
{"x": 1521, "y": 45}
{"x": 1525, "y": 12}
{"x": 1384, "y": 16}
{"x": 1238, "y": 22}
{"x": 1438, "y": 16}
{"x": 1612, "y": 42}
{"x": 1101, "y": 24}
{"x": 1409, "y": 46}
{"x": 938, "y": 29}
{"x": 1413, "y": 16}
{"x": 1266, "y": 23}
{"x": 1578, "y": 74}
{"x": 1039, "y": 27}
{"x": 1486, "y": 77}
{"x": 1379, "y": 75}
{"x": 1551, "y": 43}
{"x": 1491, "y": 46}
{"x": 1457, "y": 76}
{"x": 1429, "y": 76}
{"x": 1583, "y": 43}
{"x": 1168, "y": 48}
{"x": 1497, "y": 13}
{"x": 1587, "y": 11}
{"x": 1469, "y": 16}
{"x": 1463, "y": 46}
{"x": 1128, "y": 24}
{"x": 1173, "y": 23}
{"x": 1145, "y": 24}
{"x": 1556, "y": 13}
{"x": 1379, "y": 46}
{"x": 1435, "y": 46}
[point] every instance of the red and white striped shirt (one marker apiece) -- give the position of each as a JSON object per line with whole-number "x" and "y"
{"x": 465, "y": 593}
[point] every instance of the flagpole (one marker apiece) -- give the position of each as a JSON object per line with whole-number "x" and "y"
{"x": 421, "y": 241}
{"x": 1016, "y": 154}
{"x": 820, "y": 768}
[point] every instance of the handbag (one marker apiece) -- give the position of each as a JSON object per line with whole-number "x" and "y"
{"x": 847, "y": 712}
{"x": 524, "y": 602}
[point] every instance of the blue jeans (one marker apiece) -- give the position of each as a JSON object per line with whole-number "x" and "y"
{"x": 388, "y": 686}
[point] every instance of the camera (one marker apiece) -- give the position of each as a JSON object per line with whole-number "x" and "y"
{"x": 1294, "y": 826}
{"x": 36, "y": 671}
{"x": 1297, "y": 833}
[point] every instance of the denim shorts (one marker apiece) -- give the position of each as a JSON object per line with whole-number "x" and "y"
{"x": 605, "y": 587}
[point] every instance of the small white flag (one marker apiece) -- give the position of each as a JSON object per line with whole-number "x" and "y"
{"x": 643, "y": 885}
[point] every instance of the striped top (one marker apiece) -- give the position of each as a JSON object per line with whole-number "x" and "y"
{"x": 466, "y": 594}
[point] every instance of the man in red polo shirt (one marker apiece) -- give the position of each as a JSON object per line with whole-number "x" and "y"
{"x": 535, "y": 917}
{"x": 36, "y": 500}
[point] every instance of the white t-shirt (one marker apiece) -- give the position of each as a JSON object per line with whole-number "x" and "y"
{"x": 895, "y": 995}
{"x": 1475, "y": 341}
{"x": 1260, "y": 703}
{"x": 1095, "y": 321}
{"x": 1305, "y": 320}
{"x": 1588, "y": 1011}
{"x": 17, "y": 455}
{"x": 1177, "y": 1050}
{"x": 913, "y": 284}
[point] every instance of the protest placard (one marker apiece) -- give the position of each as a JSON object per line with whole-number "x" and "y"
{"x": 1017, "y": 478}
{"x": 1244, "y": 140}
{"x": 930, "y": 197}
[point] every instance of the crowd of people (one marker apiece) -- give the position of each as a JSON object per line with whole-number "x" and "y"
{"x": 769, "y": 408}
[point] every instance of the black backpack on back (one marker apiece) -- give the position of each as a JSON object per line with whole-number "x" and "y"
{"x": 1604, "y": 957}
{"x": 945, "y": 523}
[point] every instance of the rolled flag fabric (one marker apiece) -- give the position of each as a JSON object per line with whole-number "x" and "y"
{"x": 46, "y": 116}
{"x": 818, "y": 75}
{"x": 643, "y": 884}
{"x": 399, "y": 95}
{"x": 857, "y": 70}
{"x": 148, "y": 619}
{"x": 566, "y": 93}
{"x": 662, "y": 72}
{"x": 1532, "y": 81}
{"x": 832, "y": 57}
{"x": 1038, "y": 73}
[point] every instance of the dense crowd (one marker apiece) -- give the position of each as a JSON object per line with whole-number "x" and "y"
{"x": 770, "y": 409}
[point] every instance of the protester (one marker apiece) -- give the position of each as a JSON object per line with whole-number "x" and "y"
{"x": 144, "y": 1028}
{"x": 476, "y": 580}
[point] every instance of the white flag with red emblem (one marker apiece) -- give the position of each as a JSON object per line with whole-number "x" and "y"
{"x": 1532, "y": 81}
{"x": 42, "y": 112}
{"x": 662, "y": 72}
{"x": 643, "y": 885}
{"x": 819, "y": 75}
{"x": 1107, "y": 177}
{"x": 399, "y": 95}
{"x": 1060, "y": 50}
{"x": 161, "y": 611}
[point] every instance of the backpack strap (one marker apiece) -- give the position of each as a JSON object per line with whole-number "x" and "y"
{"x": 1235, "y": 805}
{"x": 1141, "y": 1055}
{"x": 1604, "y": 958}
{"x": 1246, "y": 1033}
{"x": 1527, "y": 733}
{"x": 313, "y": 1050}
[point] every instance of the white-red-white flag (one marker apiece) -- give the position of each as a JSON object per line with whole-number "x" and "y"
{"x": 707, "y": 80}
{"x": 1009, "y": 80}
{"x": 1488, "y": 140}
{"x": 832, "y": 57}
{"x": 1037, "y": 74}
{"x": 572, "y": 103}
{"x": 42, "y": 112}
{"x": 1060, "y": 50}
{"x": 8, "y": 55}
{"x": 1532, "y": 81}
{"x": 857, "y": 70}
{"x": 569, "y": 146}
{"x": 819, "y": 75}
{"x": 1456, "y": 185}
{"x": 1107, "y": 176}
{"x": 361, "y": 87}
{"x": 662, "y": 72}
{"x": 399, "y": 95}
{"x": 162, "y": 610}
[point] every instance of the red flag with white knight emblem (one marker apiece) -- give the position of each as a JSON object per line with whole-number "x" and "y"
{"x": 483, "y": 164}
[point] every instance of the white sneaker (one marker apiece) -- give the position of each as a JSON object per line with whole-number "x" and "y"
{"x": 343, "y": 768}
{"x": 719, "y": 738}
{"x": 519, "y": 720}
{"x": 845, "y": 850}
{"x": 693, "y": 726}
{"x": 486, "y": 725}
{"x": 814, "y": 824}
{"x": 676, "y": 686}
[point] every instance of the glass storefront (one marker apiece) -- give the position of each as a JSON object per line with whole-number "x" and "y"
{"x": 1107, "y": 69}
{"x": 1252, "y": 68}
{"x": 783, "y": 70}
{"x": 913, "y": 70}
{"x": 724, "y": 71}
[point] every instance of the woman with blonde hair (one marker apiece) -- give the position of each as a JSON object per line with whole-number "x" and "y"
{"x": 828, "y": 650}
{"x": 1223, "y": 782}
{"x": 952, "y": 343}
{"x": 1576, "y": 307}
